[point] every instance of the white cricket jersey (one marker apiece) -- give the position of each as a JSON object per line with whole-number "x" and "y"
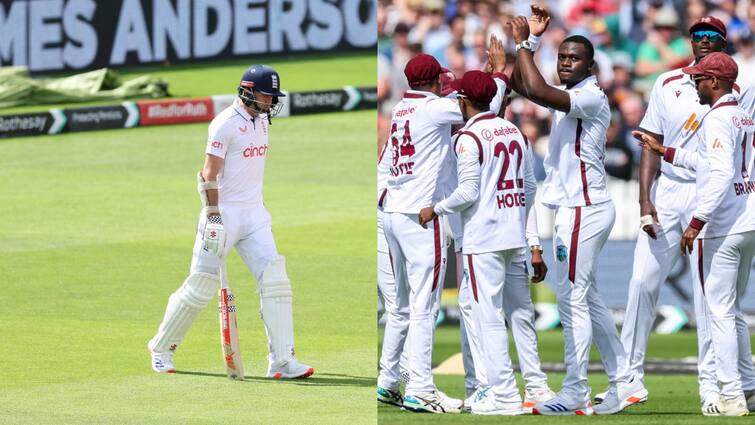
{"x": 242, "y": 142}
{"x": 420, "y": 139}
{"x": 674, "y": 111}
{"x": 493, "y": 192}
{"x": 724, "y": 164}
{"x": 575, "y": 173}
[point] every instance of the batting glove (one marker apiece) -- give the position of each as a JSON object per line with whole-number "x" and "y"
{"x": 214, "y": 235}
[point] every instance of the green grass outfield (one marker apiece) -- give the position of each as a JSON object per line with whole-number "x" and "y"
{"x": 97, "y": 231}
{"x": 673, "y": 398}
{"x": 298, "y": 73}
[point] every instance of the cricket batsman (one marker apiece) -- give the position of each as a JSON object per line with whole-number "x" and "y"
{"x": 234, "y": 215}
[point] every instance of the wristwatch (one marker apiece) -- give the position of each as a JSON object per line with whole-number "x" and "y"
{"x": 526, "y": 44}
{"x": 536, "y": 248}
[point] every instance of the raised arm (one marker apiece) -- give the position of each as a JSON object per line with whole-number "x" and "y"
{"x": 533, "y": 85}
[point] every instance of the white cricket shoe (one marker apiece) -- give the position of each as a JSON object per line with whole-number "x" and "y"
{"x": 534, "y": 396}
{"x": 289, "y": 369}
{"x": 711, "y": 405}
{"x": 562, "y": 405}
{"x": 433, "y": 402}
{"x": 736, "y": 406}
{"x": 487, "y": 405}
{"x": 750, "y": 396}
{"x": 599, "y": 397}
{"x": 477, "y": 395}
{"x": 163, "y": 363}
{"x": 621, "y": 396}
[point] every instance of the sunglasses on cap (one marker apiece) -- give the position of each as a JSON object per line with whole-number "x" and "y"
{"x": 713, "y": 36}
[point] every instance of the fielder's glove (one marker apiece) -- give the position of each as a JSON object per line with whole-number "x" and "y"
{"x": 214, "y": 235}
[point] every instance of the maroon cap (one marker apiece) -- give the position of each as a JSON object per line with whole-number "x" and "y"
{"x": 710, "y": 22}
{"x": 422, "y": 70}
{"x": 716, "y": 64}
{"x": 477, "y": 86}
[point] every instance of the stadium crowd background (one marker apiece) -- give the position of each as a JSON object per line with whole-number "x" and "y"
{"x": 635, "y": 41}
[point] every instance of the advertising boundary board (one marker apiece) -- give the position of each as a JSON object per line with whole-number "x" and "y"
{"x": 65, "y": 35}
{"x": 175, "y": 111}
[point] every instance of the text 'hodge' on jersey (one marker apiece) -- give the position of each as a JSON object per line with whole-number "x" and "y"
{"x": 494, "y": 183}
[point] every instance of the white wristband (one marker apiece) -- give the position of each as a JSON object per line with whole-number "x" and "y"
{"x": 646, "y": 220}
{"x": 534, "y": 41}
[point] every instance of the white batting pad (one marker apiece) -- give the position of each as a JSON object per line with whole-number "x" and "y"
{"x": 275, "y": 300}
{"x": 183, "y": 307}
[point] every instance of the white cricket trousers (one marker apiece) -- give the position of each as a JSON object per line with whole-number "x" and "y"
{"x": 419, "y": 266}
{"x": 723, "y": 265}
{"x": 488, "y": 276}
{"x": 393, "y": 358}
{"x": 248, "y": 229}
{"x": 675, "y": 202}
{"x": 520, "y": 314}
{"x": 578, "y": 236}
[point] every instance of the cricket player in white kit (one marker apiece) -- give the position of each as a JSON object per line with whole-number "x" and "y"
{"x": 492, "y": 195}
{"x": 723, "y": 221}
{"x": 575, "y": 187}
{"x": 673, "y": 116}
{"x": 419, "y": 144}
{"x": 517, "y": 307}
{"x": 234, "y": 215}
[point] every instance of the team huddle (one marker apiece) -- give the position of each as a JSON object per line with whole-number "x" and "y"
{"x": 476, "y": 186}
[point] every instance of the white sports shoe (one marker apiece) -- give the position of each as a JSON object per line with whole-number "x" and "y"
{"x": 163, "y": 363}
{"x": 734, "y": 407}
{"x": 711, "y": 405}
{"x": 433, "y": 402}
{"x": 562, "y": 404}
{"x": 489, "y": 406}
{"x": 289, "y": 369}
{"x": 621, "y": 396}
{"x": 599, "y": 397}
{"x": 534, "y": 396}
{"x": 477, "y": 395}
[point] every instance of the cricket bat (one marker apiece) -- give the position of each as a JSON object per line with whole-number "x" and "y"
{"x": 229, "y": 335}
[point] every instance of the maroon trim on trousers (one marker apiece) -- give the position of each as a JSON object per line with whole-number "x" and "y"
{"x": 436, "y": 268}
{"x": 668, "y": 156}
{"x": 472, "y": 277}
{"x": 672, "y": 78}
{"x": 414, "y": 96}
{"x": 582, "y": 166}
{"x": 476, "y": 139}
{"x": 700, "y": 264}
{"x": 729, "y": 103}
{"x": 390, "y": 258}
{"x": 696, "y": 223}
{"x": 574, "y": 244}
{"x": 382, "y": 198}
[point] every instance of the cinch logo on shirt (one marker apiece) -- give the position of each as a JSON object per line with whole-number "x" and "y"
{"x": 217, "y": 145}
{"x": 253, "y": 151}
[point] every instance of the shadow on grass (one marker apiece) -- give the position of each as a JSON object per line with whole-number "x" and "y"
{"x": 318, "y": 379}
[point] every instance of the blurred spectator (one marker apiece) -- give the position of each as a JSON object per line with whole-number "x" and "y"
{"x": 663, "y": 50}
{"x": 635, "y": 42}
